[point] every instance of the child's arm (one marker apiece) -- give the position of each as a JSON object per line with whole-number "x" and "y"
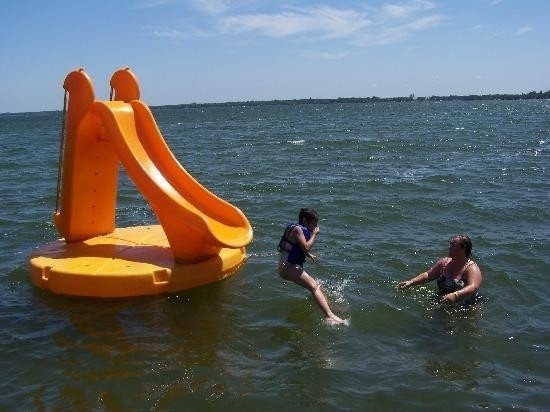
{"x": 306, "y": 245}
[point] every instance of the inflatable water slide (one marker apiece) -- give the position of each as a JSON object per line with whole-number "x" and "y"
{"x": 200, "y": 239}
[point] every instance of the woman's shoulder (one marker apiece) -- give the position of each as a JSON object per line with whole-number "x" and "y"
{"x": 437, "y": 267}
{"x": 472, "y": 265}
{"x": 443, "y": 261}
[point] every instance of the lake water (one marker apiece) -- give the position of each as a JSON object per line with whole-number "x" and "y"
{"x": 392, "y": 182}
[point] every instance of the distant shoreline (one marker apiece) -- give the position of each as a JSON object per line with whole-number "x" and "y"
{"x": 373, "y": 99}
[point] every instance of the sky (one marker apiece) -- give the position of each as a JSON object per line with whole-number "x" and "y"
{"x": 206, "y": 51}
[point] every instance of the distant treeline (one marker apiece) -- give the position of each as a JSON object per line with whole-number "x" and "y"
{"x": 410, "y": 98}
{"x": 530, "y": 95}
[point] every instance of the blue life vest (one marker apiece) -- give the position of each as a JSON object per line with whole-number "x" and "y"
{"x": 293, "y": 252}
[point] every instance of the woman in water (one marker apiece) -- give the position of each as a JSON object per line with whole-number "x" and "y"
{"x": 458, "y": 276}
{"x": 295, "y": 245}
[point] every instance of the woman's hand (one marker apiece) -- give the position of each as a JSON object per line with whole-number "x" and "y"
{"x": 405, "y": 284}
{"x": 450, "y": 298}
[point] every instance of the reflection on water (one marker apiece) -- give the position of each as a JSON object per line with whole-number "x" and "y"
{"x": 110, "y": 344}
{"x": 448, "y": 338}
{"x": 448, "y": 370}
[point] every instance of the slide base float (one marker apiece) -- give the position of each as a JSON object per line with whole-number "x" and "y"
{"x": 131, "y": 261}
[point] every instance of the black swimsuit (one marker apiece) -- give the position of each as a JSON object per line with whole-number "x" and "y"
{"x": 446, "y": 284}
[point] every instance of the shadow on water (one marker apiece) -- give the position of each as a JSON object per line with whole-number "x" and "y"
{"x": 450, "y": 336}
{"x": 121, "y": 354}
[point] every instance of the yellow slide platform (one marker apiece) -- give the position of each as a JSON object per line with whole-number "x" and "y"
{"x": 201, "y": 238}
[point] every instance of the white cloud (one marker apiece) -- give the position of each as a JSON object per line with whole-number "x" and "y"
{"x": 393, "y": 34}
{"x": 523, "y": 30}
{"x": 480, "y": 27}
{"x": 149, "y": 4}
{"x": 360, "y": 26}
{"x": 328, "y": 55}
{"x": 405, "y": 10}
{"x": 326, "y": 22}
{"x": 181, "y": 35}
{"x": 212, "y": 6}
{"x": 389, "y": 24}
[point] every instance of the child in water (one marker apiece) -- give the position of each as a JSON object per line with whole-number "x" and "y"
{"x": 295, "y": 245}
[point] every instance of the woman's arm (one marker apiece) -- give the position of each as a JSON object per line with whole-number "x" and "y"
{"x": 424, "y": 277}
{"x": 472, "y": 279}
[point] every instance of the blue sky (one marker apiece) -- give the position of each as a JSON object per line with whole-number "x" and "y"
{"x": 186, "y": 51}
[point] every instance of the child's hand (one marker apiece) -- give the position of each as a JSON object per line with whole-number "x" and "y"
{"x": 312, "y": 257}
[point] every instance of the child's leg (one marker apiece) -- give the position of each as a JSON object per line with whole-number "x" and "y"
{"x": 299, "y": 276}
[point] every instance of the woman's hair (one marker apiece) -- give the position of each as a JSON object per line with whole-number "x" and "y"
{"x": 465, "y": 243}
{"x": 308, "y": 214}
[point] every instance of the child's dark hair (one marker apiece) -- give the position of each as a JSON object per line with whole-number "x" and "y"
{"x": 308, "y": 214}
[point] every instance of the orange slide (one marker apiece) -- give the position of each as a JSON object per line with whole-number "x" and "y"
{"x": 100, "y": 135}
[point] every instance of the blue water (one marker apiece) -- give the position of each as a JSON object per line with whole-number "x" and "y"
{"x": 392, "y": 182}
